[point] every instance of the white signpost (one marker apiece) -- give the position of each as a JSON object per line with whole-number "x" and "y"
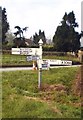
{"x": 27, "y": 51}
{"x": 31, "y": 58}
{"x": 36, "y": 54}
{"x": 45, "y": 65}
{"x": 59, "y": 62}
{"x": 16, "y": 51}
{"x": 40, "y": 64}
{"x": 32, "y": 54}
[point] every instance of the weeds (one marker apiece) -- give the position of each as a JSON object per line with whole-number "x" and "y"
{"x": 22, "y": 99}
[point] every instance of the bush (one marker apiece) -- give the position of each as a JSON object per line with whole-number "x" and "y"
{"x": 48, "y": 48}
{"x": 54, "y": 53}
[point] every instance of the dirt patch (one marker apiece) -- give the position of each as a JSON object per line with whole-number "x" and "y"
{"x": 55, "y": 87}
{"x": 48, "y": 92}
{"x": 77, "y": 84}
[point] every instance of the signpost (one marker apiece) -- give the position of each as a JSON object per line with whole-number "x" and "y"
{"x": 40, "y": 64}
{"x": 45, "y": 65}
{"x": 27, "y": 51}
{"x": 32, "y": 54}
{"x": 35, "y": 54}
{"x": 16, "y": 51}
{"x": 59, "y": 62}
{"x": 32, "y": 58}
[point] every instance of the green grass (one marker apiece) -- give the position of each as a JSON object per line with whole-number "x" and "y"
{"x": 66, "y": 57}
{"x": 9, "y": 59}
{"x": 22, "y": 99}
{"x": 0, "y": 95}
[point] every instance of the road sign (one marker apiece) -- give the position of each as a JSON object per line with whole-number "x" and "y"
{"x": 31, "y": 58}
{"x": 59, "y": 62}
{"x": 27, "y": 51}
{"x": 43, "y": 64}
{"x": 30, "y": 51}
{"x": 66, "y": 62}
{"x": 16, "y": 51}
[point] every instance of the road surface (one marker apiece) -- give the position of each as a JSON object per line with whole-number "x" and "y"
{"x": 30, "y": 68}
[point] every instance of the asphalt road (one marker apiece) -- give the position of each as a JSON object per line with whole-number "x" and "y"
{"x": 30, "y": 68}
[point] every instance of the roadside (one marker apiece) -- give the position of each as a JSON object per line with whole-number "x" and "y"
{"x": 31, "y": 68}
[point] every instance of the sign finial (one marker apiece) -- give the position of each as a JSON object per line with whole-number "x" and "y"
{"x": 40, "y": 42}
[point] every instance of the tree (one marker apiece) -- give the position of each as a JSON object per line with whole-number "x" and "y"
{"x": 19, "y": 34}
{"x": 5, "y": 25}
{"x": 39, "y": 36}
{"x": 66, "y": 38}
{"x": 36, "y": 38}
{"x": 10, "y": 37}
{"x": 42, "y": 36}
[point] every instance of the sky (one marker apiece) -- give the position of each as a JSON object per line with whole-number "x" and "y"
{"x": 44, "y": 15}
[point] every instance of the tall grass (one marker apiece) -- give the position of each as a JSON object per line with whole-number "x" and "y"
{"x": 23, "y": 99}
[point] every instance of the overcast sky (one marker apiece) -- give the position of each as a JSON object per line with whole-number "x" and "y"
{"x": 40, "y": 14}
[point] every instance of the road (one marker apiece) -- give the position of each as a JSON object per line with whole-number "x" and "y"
{"x": 30, "y": 68}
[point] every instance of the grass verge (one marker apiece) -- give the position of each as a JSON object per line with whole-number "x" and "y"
{"x": 9, "y": 59}
{"x": 22, "y": 99}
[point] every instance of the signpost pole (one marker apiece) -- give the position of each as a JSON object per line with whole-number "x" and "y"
{"x": 39, "y": 78}
{"x": 40, "y": 64}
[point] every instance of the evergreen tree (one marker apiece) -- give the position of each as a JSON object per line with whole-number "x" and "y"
{"x": 36, "y": 38}
{"x": 66, "y": 38}
{"x": 5, "y": 25}
{"x": 39, "y": 36}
